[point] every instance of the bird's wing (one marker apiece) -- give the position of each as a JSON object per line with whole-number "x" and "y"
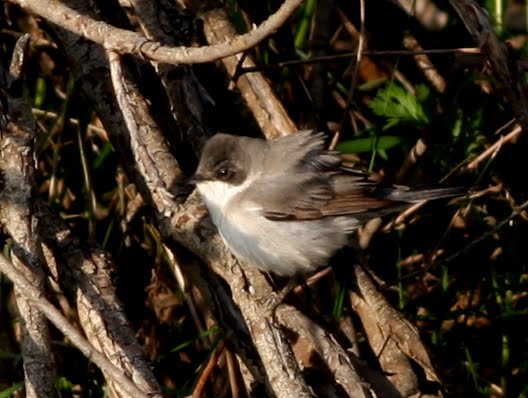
{"x": 304, "y": 197}
{"x": 308, "y": 196}
{"x": 303, "y": 181}
{"x": 298, "y": 182}
{"x": 302, "y": 151}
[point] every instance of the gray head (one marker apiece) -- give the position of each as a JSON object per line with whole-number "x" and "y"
{"x": 224, "y": 158}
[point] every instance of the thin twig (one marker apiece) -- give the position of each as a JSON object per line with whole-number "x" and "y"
{"x": 92, "y": 201}
{"x": 361, "y": 44}
{"x": 495, "y": 147}
{"x": 499, "y": 226}
{"x": 53, "y": 115}
{"x": 232, "y": 373}
{"x": 335, "y": 57}
{"x": 200, "y": 384}
{"x": 180, "y": 279}
{"x": 424, "y": 63}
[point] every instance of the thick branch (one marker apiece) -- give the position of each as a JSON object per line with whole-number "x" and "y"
{"x": 261, "y": 99}
{"x": 83, "y": 272}
{"x": 124, "y": 41}
{"x": 16, "y": 216}
{"x": 337, "y": 360}
{"x": 38, "y": 300}
{"x": 197, "y": 233}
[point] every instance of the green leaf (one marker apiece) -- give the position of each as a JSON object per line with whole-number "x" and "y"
{"x": 40, "y": 92}
{"x": 201, "y": 336}
{"x": 11, "y": 390}
{"x": 399, "y": 106}
{"x": 103, "y": 155}
{"x": 63, "y": 384}
{"x": 337, "y": 311}
{"x": 302, "y": 34}
{"x": 361, "y": 145}
{"x": 9, "y": 355}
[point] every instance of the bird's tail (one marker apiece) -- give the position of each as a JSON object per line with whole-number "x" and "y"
{"x": 412, "y": 195}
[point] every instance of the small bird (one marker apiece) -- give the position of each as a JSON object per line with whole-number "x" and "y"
{"x": 288, "y": 205}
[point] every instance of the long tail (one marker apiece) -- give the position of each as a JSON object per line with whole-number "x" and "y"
{"x": 412, "y": 195}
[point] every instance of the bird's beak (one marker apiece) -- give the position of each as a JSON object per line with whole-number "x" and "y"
{"x": 194, "y": 179}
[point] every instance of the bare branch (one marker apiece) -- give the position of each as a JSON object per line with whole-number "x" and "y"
{"x": 83, "y": 272}
{"x": 190, "y": 103}
{"x": 255, "y": 89}
{"x": 17, "y": 169}
{"x": 37, "y": 299}
{"x": 493, "y": 149}
{"x": 477, "y": 23}
{"x": 337, "y": 360}
{"x": 123, "y": 41}
{"x": 394, "y": 339}
{"x": 188, "y": 226}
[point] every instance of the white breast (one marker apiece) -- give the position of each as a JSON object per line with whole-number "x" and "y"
{"x": 281, "y": 247}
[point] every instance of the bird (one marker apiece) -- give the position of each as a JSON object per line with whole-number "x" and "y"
{"x": 288, "y": 205}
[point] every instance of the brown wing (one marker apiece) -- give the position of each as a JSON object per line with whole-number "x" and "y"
{"x": 320, "y": 196}
{"x": 308, "y": 196}
{"x": 305, "y": 182}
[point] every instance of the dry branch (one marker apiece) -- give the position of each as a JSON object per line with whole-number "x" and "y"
{"x": 55, "y": 316}
{"x": 17, "y": 170}
{"x": 83, "y": 272}
{"x": 268, "y": 111}
{"x": 187, "y": 226}
{"x": 322, "y": 342}
{"x": 394, "y": 339}
{"x": 98, "y": 311}
{"x": 128, "y": 42}
{"x": 506, "y": 72}
{"x": 189, "y": 100}
{"x": 268, "y": 357}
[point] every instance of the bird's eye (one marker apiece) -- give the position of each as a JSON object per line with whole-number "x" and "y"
{"x": 224, "y": 173}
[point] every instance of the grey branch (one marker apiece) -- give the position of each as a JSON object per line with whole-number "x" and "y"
{"x": 124, "y": 41}
{"x": 38, "y": 300}
{"x": 17, "y": 169}
{"x": 83, "y": 272}
{"x": 269, "y": 112}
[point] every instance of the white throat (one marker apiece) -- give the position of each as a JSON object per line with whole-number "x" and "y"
{"x": 218, "y": 195}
